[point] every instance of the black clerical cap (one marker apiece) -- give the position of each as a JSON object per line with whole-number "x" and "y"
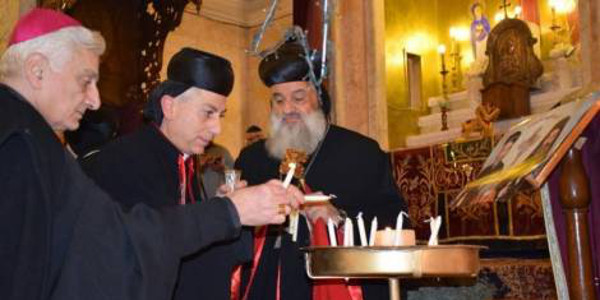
{"x": 191, "y": 68}
{"x": 288, "y": 63}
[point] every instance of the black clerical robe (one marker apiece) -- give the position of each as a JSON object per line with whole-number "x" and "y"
{"x": 348, "y": 165}
{"x": 143, "y": 167}
{"x": 62, "y": 237}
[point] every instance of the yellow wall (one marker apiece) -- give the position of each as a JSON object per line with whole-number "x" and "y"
{"x": 9, "y": 12}
{"x": 412, "y": 25}
{"x": 418, "y": 27}
{"x": 548, "y": 38}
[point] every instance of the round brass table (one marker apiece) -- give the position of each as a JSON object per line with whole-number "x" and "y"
{"x": 392, "y": 263}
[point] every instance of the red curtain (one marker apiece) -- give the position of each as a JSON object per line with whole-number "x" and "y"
{"x": 308, "y": 15}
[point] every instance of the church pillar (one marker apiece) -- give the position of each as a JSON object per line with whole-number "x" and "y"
{"x": 358, "y": 77}
{"x": 574, "y": 189}
{"x": 589, "y": 12}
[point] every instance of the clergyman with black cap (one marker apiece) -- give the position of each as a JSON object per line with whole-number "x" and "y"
{"x": 253, "y": 134}
{"x": 339, "y": 161}
{"x": 154, "y": 165}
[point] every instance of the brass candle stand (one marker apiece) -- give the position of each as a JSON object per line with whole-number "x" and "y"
{"x": 392, "y": 262}
{"x": 444, "y": 73}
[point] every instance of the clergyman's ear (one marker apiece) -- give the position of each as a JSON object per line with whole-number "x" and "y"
{"x": 167, "y": 105}
{"x": 35, "y": 69}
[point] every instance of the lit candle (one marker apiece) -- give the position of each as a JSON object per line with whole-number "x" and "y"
{"x": 442, "y": 52}
{"x": 294, "y": 215}
{"x": 373, "y": 232}
{"x": 361, "y": 229}
{"x": 331, "y": 231}
{"x": 289, "y": 175}
{"x": 518, "y": 10}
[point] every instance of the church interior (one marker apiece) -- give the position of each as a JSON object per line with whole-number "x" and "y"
{"x": 437, "y": 83}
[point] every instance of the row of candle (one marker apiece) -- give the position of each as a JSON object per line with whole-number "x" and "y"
{"x": 387, "y": 237}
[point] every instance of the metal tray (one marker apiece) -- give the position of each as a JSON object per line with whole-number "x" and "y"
{"x": 387, "y": 262}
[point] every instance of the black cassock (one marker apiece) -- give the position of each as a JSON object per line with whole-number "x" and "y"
{"x": 62, "y": 237}
{"x": 143, "y": 167}
{"x": 348, "y": 165}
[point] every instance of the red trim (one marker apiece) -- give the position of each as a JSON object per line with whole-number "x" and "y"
{"x": 190, "y": 175}
{"x": 260, "y": 237}
{"x": 182, "y": 179}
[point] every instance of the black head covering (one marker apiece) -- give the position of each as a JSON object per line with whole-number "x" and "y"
{"x": 288, "y": 63}
{"x": 191, "y": 68}
{"x": 253, "y": 128}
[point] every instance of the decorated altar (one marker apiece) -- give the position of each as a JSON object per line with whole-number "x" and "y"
{"x": 429, "y": 178}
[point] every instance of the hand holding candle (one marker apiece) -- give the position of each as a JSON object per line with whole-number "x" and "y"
{"x": 294, "y": 215}
{"x": 318, "y": 198}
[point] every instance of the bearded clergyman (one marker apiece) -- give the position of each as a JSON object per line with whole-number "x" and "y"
{"x": 338, "y": 161}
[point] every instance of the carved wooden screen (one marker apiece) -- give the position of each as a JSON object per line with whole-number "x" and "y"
{"x": 135, "y": 33}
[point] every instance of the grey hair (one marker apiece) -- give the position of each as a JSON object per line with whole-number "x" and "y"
{"x": 58, "y": 47}
{"x": 302, "y": 136}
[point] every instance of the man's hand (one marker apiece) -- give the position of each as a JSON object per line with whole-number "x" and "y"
{"x": 267, "y": 203}
{"x": 323, "y": 211}
{"x": 224, "y": 189}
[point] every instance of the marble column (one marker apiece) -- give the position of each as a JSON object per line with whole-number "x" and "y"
{"x": 9, "y": 14}
{"x": 589, "y": 13}
{"x": 358, "y": 78}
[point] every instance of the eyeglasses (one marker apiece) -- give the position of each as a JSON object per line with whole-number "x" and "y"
{"x": 298, "y": 97}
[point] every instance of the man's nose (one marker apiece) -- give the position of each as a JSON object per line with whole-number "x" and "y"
{"x": 288, "y": 106}
{"x": 93, "y": 97}
{"x": 215, "y": 126}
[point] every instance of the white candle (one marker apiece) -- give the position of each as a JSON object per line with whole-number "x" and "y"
{"x": 434, "y": 225}
{"x": 361, "y": 230}
{"x": 293, "y": 225}
{"x": 399, "y": 223}
{"x": 289, "y": 175}
{"x": 348, "y": 233}
{"x": 331, "y": 231}
{"x": 294, "y": 220}
{"x": 373, "y": 232}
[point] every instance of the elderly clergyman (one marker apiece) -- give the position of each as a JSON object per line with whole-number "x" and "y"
{"x": 61, "y": 236}
{"x": 340, "y": 162}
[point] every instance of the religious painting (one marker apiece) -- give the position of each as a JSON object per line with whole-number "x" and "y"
{"x": 520, "y": 155}
{"x": 480, "y": 29}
